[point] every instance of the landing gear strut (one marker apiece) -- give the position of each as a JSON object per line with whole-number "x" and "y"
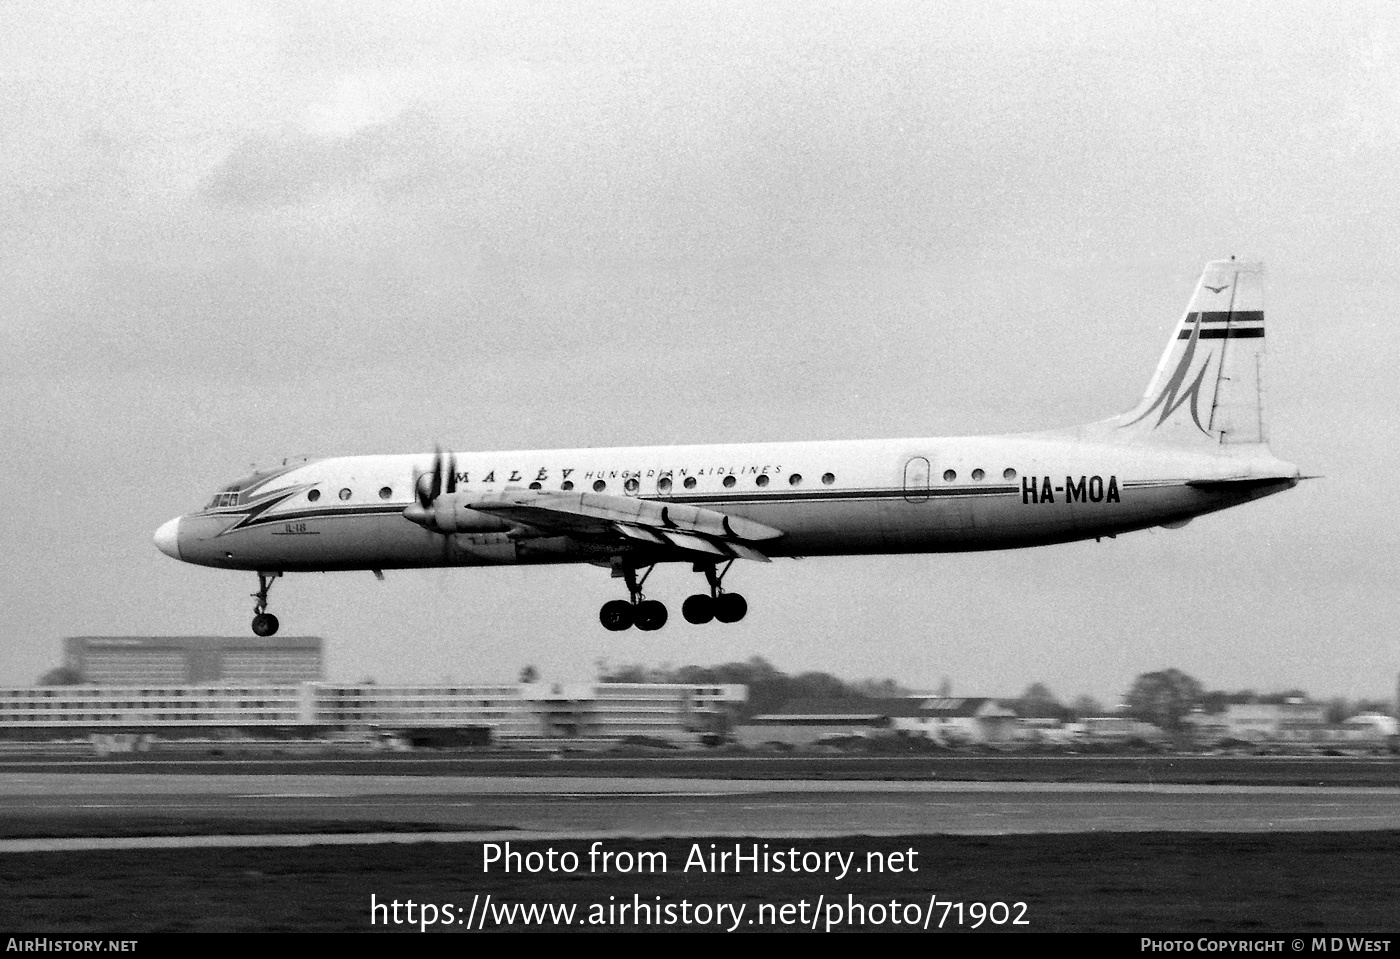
{"x": 645, "y": 614}
{"x": 264, "y": 623}
{"x": 648, "y": 614}
{"x": 725, "y": 607}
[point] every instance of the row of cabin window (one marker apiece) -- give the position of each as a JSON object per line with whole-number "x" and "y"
{"x": 631, "y": 485}
{"x": 978, "y": 475}
{"x": 663, "y": 485}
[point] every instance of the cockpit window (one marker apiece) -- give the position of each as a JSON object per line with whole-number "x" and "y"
{"x": 232, "y": 494}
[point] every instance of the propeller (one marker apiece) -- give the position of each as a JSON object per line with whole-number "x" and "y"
{"x": 427, "y": 487}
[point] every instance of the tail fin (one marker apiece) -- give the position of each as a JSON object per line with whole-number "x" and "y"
{"x": 1207, "y": 388}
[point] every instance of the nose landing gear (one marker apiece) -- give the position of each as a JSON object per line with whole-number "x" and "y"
{"x": 264, "y": 623}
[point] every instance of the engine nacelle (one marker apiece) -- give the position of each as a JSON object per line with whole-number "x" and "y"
{"x": 449, "y": 515}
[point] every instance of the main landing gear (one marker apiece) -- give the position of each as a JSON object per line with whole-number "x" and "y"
{"x": 264, "y": 623}
{"x": 645, "y": 614}
{"x": 725, "y": 607}
{"x": 648, "y": 614}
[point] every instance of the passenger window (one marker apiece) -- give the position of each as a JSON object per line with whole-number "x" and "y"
{"x": 566, "y": 485}
{"x": 314, "y": 495}
{"x": 828, "y": 478}
{"x": 345, "y": 493}
{"x": 950, "y": 475}
{"x": 599, "y": 486}
{"x": 535, "y": 486}
{"x": 795, "y": 479}
{"x": 729, "y": 481}
{"x": 689, "y": 482}
{"x": 664, "y": 484}
{"x": 631, "y": 485}
{"x": 385, "y": 492}
{"x": 1009, "y": 474}
{"x": 761, "y": 480}
{"x": 977, "y": 474}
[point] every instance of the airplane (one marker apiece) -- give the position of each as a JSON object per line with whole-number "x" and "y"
{"x": 1194, "y": 444}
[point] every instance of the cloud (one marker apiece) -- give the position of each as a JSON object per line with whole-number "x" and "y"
{"x": 293, "y": 166}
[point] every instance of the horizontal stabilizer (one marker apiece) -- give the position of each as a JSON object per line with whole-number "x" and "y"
{"x": 1245, "y": 483}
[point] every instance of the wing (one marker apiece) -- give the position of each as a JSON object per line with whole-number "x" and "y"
{"x": 689, "y": 531}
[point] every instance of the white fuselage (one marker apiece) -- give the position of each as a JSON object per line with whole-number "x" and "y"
{"x": 1195, "y": 443}
{"x": 827, "y": 498}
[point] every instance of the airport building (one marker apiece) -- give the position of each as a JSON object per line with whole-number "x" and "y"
{"x": 600, "y": 712}
{"x": 1294, "y": 721}
{"x": 1110, "y": 729}
{"x": 947, "y": 719}
{"x": 195, "y": 660}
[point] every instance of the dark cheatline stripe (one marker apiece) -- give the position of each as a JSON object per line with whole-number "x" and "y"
{"x": 1248, "y": 333}
{"x": 1226, "y": 316}
{"x": 826, "y": 496}
{"x": 712, "y": 499}
{"x": 708, "y": 499}
{"x": 321, "y": 513}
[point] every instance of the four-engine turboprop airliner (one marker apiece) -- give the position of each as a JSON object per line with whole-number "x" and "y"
{"x": 1194, "y": 444}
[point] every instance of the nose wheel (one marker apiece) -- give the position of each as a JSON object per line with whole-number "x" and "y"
{"x": 647, "y": 615}
{"x": 264, "y": 623}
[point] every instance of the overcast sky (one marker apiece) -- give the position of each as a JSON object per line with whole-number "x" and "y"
{"x": 237, "y": 232}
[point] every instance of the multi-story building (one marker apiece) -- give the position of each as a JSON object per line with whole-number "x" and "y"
{"x": 598, "y": 711}
{"x": 1292, "y": 721}
{"x": 950, "y": 719}
{"x": 59, "y": 710}
{"x": 194, "y": 660}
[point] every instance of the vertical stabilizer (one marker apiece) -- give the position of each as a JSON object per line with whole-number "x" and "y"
{"x": 1207, "y": 388}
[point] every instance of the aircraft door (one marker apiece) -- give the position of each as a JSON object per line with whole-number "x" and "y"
{"x": 916, "y": 473}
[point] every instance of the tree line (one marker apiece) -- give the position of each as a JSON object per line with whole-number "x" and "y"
{"x": 1163, "y": 698}
{"x": 769, "y": 687}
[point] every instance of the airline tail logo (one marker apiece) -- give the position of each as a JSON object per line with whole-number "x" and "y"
{"x": 1173, "y": 395}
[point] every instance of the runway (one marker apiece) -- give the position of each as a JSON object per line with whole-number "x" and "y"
{"x": 454, "y": 808}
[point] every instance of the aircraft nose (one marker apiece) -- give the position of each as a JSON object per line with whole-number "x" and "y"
{"x": 168, "y": 538}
